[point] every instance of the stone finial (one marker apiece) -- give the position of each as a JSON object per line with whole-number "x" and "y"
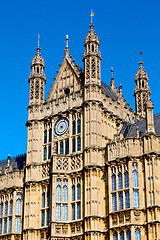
{"x": 137, "y": 129}
{"x": 67, "y": 48}
{"x": 9, "y": 159}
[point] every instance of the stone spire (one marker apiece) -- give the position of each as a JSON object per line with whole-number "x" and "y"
{"x": 149, "y": 116}
{"x": 142, "y": 90}
{"x": 37, "y": 79}
{"x": 92, "y": 58}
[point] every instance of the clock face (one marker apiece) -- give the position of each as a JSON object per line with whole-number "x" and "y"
{"x": 61, "y": 126}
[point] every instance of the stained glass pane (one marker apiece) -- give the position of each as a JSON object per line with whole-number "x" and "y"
{"x": 43, "y": 200}
{"x": 78, "y": 144}
{"x": 5, "y": 225}
{"x": 114, "y": 183}
{"x": 122, "y": 235}
{"x": 45, "y": 136}
{"x": 115, "y": 236}
{"x": 6, "y": 208}
{"x": 73, "y": 145}
{"x": 43, "y": 218}
{"x": 50, "y": 134}
{"x": 67, "y": 146}
{"x": 61, "y": 147}
{"x": 48, "y": 217}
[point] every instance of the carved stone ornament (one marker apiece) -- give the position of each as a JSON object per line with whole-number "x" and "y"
{"x": 64, "y": 228}
{"x": 137, "y": 215}
{"x": 121, "y": 218}
{"x": 128, "y": 216}
{"x": 114, "y": 219}
{"x": 58, "y": 228}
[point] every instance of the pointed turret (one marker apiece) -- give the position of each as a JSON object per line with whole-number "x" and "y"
{"x": 142, "y": 90}
{"x": 92, "y": 58}
{"x": 149, "y": 116}
{"x": 37, "y": 79}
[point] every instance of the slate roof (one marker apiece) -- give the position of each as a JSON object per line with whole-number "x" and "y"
{"x": 108, "y": 91}
{"x": 17, "y": 162}
{"x": 130, "y": 130}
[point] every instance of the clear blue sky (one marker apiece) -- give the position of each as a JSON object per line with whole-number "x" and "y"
{"x": 124, "y": 28}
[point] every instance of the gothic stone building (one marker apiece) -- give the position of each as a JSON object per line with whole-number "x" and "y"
{"x": 91, "y": 170}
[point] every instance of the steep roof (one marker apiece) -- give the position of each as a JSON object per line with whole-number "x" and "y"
{"x": 108, "y": 91}
{"x": 130, "y": 130}
{"x": 17, "y": 162}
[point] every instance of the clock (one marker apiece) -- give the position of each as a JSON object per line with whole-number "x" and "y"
{"x": 61, "y": 126}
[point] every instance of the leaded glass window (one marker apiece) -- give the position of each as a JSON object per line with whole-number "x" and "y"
{"x": 0, "y": 226}
{"x": 56, "y": 147}
{"x": 120, "y": 184}
{"x": 65, "y": 193}
{"x": 135, "y": 198}
{"x": 43, "y": 200}
{"x": 127, "y": 199}
{"x": 18, "y": 206}
{"x": 78, "y": 210}
{"x": 121, "y": 235}
{"x": 48, "y": 217}
{"x": 137, "y": 235}
{"x": 73, "y": 145}
{"x": 64, "y": 212}
{"x": 126, "y": 179}
{"x": 78, "y": 143}
{"x": 11, "y": 207}
{"x": 114, "y": 202}
{"x": 58, "y": 193}
{"x": 43, "y": 218}
{"x": 58, "y": 212}
{"x": 78, "y": 192}
{"x": 135, "y": 178}
{"x": 6, "y": 208}
{"x": 17, "y": 224}
{"x": 45, "y": 136}
{"x": 1, "y": 209}
{"x": 67, "y": 146}
{"x": 120, "y": 195}
{"x": 49, "y": 152}
{"x": 5, "y": 225}
{"x": 45, "y": 154}
{"x": 128, "y": 233}
{"x": 115, "y": 236}
{"x": 79, "y": 126}
{"x": 73, "y": 128}
{"x": 114, "y": 182}
{"x": 10, "y": 224}
{"x": 50, "y": 134}
{"x": 48, "y": 198}
{"x": 73, "y": 193}
{"x": 61, "y": 147}
{"x": 73, "y": 211}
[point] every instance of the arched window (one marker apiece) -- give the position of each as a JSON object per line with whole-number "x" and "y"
{"x": 73, "y": 128}
{"x": 44, "y": 154}
{"x": 17, "y": 224}
{"x": 115, "y": 236}
{"x": 58, "y": 193}
{"x": 48, "y": 198}
{"x": 120, "y": 195}
{"x": 78, "y": 143}
{"x": 78, "y": 210}
{"x": 58, "y": 212}
{"x": 67, "y": 146}
{"x": 126, "y": 179}
{"x": 61, "y": 147}
{"x": 18, "y": 206}
{"x": 6, "y": 208}
{"x": 73, "y": 193}
{"x": 120, "y": 183}
{"x": 128, "y": 233}
{"x": 11, "y": 207}
{"x": 43, "y": 200}
{"x": 136, "y": 198}
{"x": 64, "y": 212}
{"x": 114, "y": 202}
{"x": 135, "y": 178}
{"x": 78, "y": 192}
{"x": 121, "y": 235}
{"x": 137, "y": 235}
{"x": 114, "y": 182}
{"x": 78, "y": 126}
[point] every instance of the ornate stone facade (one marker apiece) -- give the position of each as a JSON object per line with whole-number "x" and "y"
{"x": 92, "y": 165}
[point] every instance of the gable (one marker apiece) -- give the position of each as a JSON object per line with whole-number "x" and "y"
{"x": 67, "y": 80}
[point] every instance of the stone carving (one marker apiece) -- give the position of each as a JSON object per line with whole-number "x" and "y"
{"x": 137, "y": 215}
{"x": 62, "y": 164}
{"x": 114, "y": 219}
{"x": 121, "y": 218}
{"x": 45, "y": 170}
{"x": 75, "y": 163}
{"x": 58, "y": 228}
{"x": 127, "y": 216}
{"x": 64, "y": 228}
